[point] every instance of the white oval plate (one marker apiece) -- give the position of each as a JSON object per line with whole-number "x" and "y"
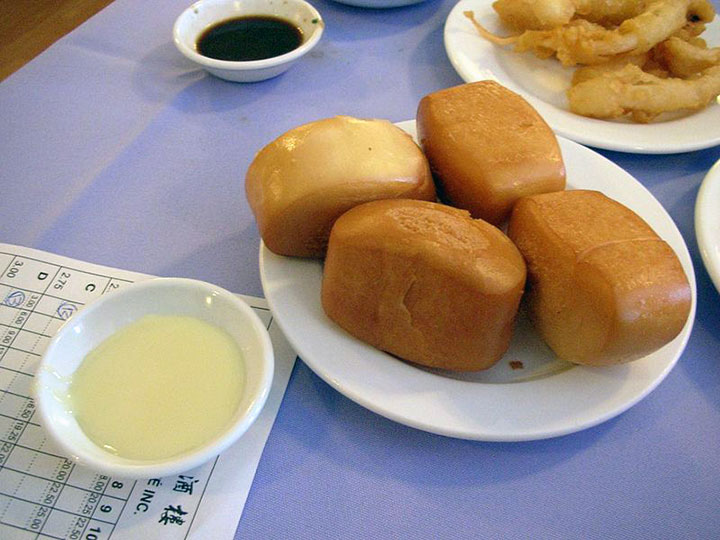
{"x": 707, "y": 223}
{"x": 545, "y": 398}
{"x": 543, "y": 84}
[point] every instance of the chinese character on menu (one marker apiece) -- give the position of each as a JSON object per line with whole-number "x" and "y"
{"x": 184, "y": 484}
{"x": 173, "y": 515}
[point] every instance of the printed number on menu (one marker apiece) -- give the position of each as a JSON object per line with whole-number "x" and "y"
{"x": 14, "y": 269}
{"x": 61, "y": 281}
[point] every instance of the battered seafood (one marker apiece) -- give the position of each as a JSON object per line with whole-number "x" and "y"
{"x": 534, "y": 15}
{"x": 686, "y": 58}
{"x": 640, "y": 58}
{"x": 632, "y": 91}
{"x": 609, "y": 12}
{"x": 581, "y": 41}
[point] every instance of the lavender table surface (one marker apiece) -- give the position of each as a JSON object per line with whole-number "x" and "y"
{"x": 115, "y": 150}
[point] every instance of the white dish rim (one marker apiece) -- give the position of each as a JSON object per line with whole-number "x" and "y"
{"x": 707, "y": 223}
{"x": 475, "y": 59}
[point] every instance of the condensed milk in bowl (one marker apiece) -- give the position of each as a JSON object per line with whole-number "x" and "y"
{"x": 156, "y": 378}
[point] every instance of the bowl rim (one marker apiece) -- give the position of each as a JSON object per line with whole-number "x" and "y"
{"x": 133, "y": 468}
{"x": 247, "y": 65}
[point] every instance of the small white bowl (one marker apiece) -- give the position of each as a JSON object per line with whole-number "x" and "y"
{"x": 102, "y": 318}
{"x": 190, "y": 25}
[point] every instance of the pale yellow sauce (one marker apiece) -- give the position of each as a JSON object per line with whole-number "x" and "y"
{"x": 159, "y": 387}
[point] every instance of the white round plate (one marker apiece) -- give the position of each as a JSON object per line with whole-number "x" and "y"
{"x": 528, "y": 395}
{"x": 544, "y": 82}
{"x": 379, "y": 4}
{"x": 707, "y": 223}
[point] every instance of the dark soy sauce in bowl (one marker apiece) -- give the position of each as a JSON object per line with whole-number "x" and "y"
{"x": 255, "y": 37}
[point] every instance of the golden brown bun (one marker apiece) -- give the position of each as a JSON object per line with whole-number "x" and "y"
{"x": 299, "y": 184}
{"x": 603, "y": 288}
{"x": 424, "y": 282}
{"x": 487, "y": 148}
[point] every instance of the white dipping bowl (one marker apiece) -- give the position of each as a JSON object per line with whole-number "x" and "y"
{"x": 104, "y": 317}
{"x": 190, "y": 25}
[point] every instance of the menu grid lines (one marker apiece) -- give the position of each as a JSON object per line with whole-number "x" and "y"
{"x": 43, "y": 493}
{"x": 45, "y": 500}
{"x": 39, "y": 509}
{"x": 13, "y": 418}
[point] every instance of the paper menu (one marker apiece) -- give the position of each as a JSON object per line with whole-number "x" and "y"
{"x": 44, "y": 494}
